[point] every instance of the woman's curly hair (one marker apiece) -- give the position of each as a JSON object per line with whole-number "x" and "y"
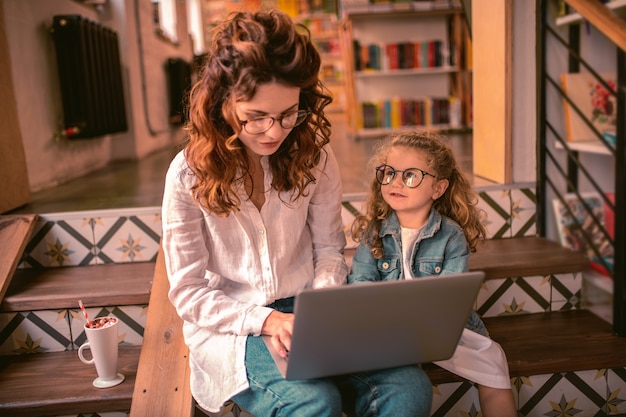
{"x": 458, "y": 202}
{"x": 247, "y": 50}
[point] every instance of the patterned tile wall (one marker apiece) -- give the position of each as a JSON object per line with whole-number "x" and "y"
{"x": 62, "y": 330}
{"x": 121, "y": 235}
{"x": 94, "y": 237}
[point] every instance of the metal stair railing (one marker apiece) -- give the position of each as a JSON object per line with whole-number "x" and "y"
{"x": 560, "y": 168}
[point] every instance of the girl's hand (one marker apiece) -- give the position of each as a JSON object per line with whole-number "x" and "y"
{"x": 280, "y": 327}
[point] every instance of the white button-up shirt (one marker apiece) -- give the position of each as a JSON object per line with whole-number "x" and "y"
{"x": 224, "y": 270}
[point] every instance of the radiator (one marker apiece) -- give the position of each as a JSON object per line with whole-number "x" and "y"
{"x": 90, "y": 76}
{"x": 179, "y": 82}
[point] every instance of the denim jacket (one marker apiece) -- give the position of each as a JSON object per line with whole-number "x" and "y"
{"x": 441, "y": 248}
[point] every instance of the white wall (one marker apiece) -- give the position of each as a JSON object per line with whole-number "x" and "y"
{"x": 524, "y": 92}
{"x": 52, "y": 159}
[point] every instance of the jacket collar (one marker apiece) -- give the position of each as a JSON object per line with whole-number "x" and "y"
{"x": 391, "y": 225}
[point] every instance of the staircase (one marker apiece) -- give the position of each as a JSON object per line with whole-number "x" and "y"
{"x": 563, "y": 360}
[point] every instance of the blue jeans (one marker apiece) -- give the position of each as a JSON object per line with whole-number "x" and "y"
{"x": 404, "y": 391}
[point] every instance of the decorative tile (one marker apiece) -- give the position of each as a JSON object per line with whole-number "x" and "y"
{"x": 455, "y": 399}
{"x": 523, "y": 212}
{"x": 34, "y": 332}
{"x": 125, "y": 239}
{"x": 566, "y": 291}
{"x": 522, "y": 295}
{"x": 579, "y": 394}
{"x": 132, "y": 323}
{"x": 616, "y": 391}
{"x": 497, "y": 207}
{"x": 59, "y": 240}
{"x": 94, "y": 237}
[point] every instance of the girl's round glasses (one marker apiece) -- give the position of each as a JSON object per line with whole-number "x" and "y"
{"x": 263, "y": 124}
{"x": 411, "y": 177}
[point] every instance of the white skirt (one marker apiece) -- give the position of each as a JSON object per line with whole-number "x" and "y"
{"x": 480, "y": 360}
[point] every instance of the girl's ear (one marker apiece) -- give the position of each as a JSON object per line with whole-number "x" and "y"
{"x": 440, "y": 188}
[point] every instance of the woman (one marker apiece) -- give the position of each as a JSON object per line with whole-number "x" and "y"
{"x": 252, "y": 216}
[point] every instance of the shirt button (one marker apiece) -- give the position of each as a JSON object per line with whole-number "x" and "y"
{"x": 261, "y": 232}
{"x": 437, "y": 269}
{"x": 385, "y": 265}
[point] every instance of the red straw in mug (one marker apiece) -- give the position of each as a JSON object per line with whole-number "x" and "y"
{"x": 82, "y": 307}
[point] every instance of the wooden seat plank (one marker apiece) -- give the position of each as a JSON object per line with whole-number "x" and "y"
{"x": 561, "y": 341}
{"x": 545, "y": 343}
{"x": 519, "y": 257}
{"x": 96, "y": 285}
{"x": 15, "y": 231}
{"x": 58, "y": 383}
{"x": 525, "y": 257}
{"x": 162, "y": 387}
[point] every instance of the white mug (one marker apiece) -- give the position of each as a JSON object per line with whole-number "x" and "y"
{"x": 103, "y": 343}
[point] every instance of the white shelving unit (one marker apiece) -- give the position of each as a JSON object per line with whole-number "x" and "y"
{"x": 592, "y": 147}
{"x": 324, "y": 29}
{"x": 397, "y": 24}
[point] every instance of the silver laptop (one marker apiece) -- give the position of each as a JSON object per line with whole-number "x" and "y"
{"x": 368, "y": 326}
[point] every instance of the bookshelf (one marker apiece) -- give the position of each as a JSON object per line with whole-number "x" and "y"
{"x": 324, "y": 27}
{"x": 406, "y": 66}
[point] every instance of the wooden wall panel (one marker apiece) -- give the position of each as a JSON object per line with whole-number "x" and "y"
{"x": 14, "y": 186}
{"x": 492, "y": 39}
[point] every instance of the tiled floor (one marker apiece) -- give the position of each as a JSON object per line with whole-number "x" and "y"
{"x": 140, "y": 183}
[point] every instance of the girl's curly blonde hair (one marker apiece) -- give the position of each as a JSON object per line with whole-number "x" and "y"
{"x": 247, "y": 50}
{"x": 458, "y": 202}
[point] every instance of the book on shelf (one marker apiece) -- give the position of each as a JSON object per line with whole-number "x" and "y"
{"x": 578, "y": 231}
{"x": 397, "y": 112}
{"x": 595, "y": 102}
{"x": 432, "y": 53}
{"x": 376, "y": 6}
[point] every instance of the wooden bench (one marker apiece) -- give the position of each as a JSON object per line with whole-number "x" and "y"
{"x": 162, "y": 385}
{"x": 14, "y": 234}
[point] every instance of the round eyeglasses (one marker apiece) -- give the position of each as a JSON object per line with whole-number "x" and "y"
{"x": 411, "y": 177}
{"x": 263, "y": 124}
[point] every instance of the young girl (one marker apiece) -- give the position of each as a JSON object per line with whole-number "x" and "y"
{"x": 252, "y": 216}
{"x": 421, "y": 220}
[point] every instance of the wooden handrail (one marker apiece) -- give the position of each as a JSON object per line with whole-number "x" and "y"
{"x": 162, "y": 383}
{"x": 603, "y": 18}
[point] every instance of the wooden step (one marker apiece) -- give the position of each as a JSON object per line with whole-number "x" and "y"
{"x": 547, "y": 343}
{"x": 49, "y": 384}
{"x": 525, "y": 257}
{"x": 520, "y": 257}
{"x": 54, "y": 384}
{"x": 95, "y": 285}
